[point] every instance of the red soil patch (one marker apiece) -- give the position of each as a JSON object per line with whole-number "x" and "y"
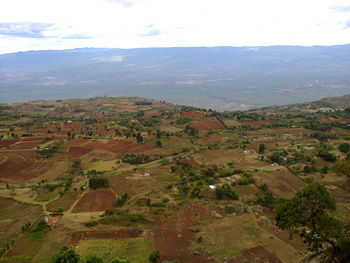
{"x": 257, "y": 255}
{"x": 196, "y": 115}
{"x": 73, "y": 125}
{"x": 96, "y": 200}
{"x": 4, "y": 143}
{"x": 76, "y": 152}
{"x": 19, "y": 168}
{"x": 123, "y": 233}
{"x": 173, "y": 238}
{"x": 207, "y": 125}
{"x": 24, "y": 145}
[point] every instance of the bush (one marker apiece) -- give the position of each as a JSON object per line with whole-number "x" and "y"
{"x": 154, "y": 257}
{"x": 98, "y": 182}
{"x": 226, "y": 192}
{"x": 122, "y": 199}
{"x": 229, "y": 209}
{"x": 246, "y": 180}
{"x": 66, "y": 255}
{"x": 344, "y": 147}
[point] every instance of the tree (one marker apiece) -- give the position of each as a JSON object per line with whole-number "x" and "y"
{"x": 309, "y": 214}
{"x": 342, "y": 168}
{"x": 65, "y": 255}
{"x": 344, "y": 147}
{"x": 262, "y": 148}
{"x": 94, "y": 259}
{"x": 154, "y": 257}
{"x": 120, "y": 260}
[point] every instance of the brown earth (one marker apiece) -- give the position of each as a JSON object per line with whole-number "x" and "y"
{"x": 257, "y": 255}
{"x": 4, "y": 143}
{"x": 96, "y": 200}
{"x": 207, "y": 125}
{"x": 196, "y": 115}
{"x": 173, "y": 238}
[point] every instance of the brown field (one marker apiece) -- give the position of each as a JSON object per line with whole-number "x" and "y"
{"x": 173, "y": 238}
{"x": 96, "y": 200}
{"x": 76, "y": 152}
{"x": 4, "y": 143}
{"x": 24, "y": 145}
{"x": 207, "y": 125}
{"x": 257, "y": 255}
{"x": 19, "y": 167}
{"x": 196, "y": 115}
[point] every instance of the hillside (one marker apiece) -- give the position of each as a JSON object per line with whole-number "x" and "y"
{"x": 221, "y": 78}
{"x": 123, "y": 177}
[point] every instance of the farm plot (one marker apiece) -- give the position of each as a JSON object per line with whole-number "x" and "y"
{"x": 137, "y": 250}
{"x": 173, "y": 237}
{"x": 13, "y": 215}
{"x": 64, "y": 202}
{"x": 196, "y": 115}
{"x": 207, "y": 125}
{"x": 18, "y": 167}
{"x": 5, "y": 143}
{"x": 96, "y": 200}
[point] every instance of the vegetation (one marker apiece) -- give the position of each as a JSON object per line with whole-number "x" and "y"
{"x": 310, "y": 214}
{"x": 96, "y": 182}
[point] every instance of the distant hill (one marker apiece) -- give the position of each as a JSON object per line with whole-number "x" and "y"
{"x": 223, "y": 78}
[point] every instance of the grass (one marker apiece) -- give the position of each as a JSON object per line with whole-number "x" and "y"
{"x": 137, "y": 250}
{"x": 101, "y": 166}
{"x": 65, "y": 201}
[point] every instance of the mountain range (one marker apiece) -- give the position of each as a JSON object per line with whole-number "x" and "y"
{"x": 220, "y": 78}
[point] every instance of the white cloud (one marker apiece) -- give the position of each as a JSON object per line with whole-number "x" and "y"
{"x": 125, "y": 23}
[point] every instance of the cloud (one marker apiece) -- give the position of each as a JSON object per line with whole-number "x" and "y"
{"x": 25, "y": 29}
{"x": 77, "y": 36}
{"x": 342, "y": 9}
{"x": 125, "y": 3}
{"x": 151, "y": 31}
{"x": 109, "y": 59}
{"x": 347, "y": 24}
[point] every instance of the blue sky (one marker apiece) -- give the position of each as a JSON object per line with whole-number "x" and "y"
{"x": 61, "y": 24}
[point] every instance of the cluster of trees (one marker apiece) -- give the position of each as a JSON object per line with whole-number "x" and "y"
{"x": 76, "y": 167}
{"x": 96, "y": 182}
{"x": 121, "y": 199}
{"x": 47, "y": 152}
{"x": 191, "y": 130}
{"x": 133, "y": 158}
{"x": 67, "y": 255}
{"x": 226, "y": 191}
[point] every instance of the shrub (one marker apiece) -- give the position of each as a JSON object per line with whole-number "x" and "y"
{"x": 154, "y": 257}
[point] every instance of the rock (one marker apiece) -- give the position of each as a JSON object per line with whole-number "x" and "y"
{"x": 216, "y": 214}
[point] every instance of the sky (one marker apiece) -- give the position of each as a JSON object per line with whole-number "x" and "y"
{"x": 64, "y": 24}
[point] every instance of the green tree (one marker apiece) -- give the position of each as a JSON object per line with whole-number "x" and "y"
{"x": 262, "y": 148}
{"x": 154, "y": 257}
{"x": 65, "y": 255}
{"x": 342, "y": 168}
{"x": 93, "y": 259}
{"x": 309, "y": 214}
{"x": 344, "y": 147}
{"x": 120, "y": 260}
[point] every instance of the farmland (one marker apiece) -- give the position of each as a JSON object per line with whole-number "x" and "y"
{"x": 123, "y": 177}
